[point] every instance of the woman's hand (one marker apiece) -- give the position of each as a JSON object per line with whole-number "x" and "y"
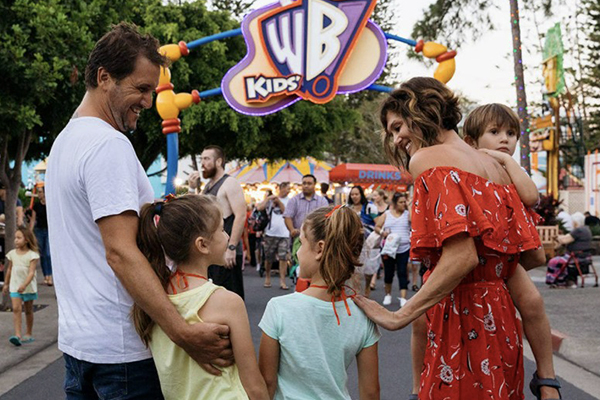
{"x": 379, "y": 314}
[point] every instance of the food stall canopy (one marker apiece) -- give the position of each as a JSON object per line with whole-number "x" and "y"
{"x": 369, "y": 173}
{"x": 262, "y": 171}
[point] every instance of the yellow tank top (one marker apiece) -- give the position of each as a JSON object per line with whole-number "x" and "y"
{"x": 181, "y": 378}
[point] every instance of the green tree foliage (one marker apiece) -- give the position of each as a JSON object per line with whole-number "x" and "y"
{"x": 43, "y": 49}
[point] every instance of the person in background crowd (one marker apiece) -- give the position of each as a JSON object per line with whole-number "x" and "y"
{"x": 22, "y": 283}
{"x": 324, "y": 190}
{"x": 369, "y": 258}
{"x": 95, "y": 187}
{"x": 20, "y": 213}
{"x": 231, "y": 197}
{"x": 577, "y": 240}
{"x": 276, "y": 239}
{"x": 591, "y": 220}
{"x": 39, "y": 224}
{"x": 300, "y": 206}
{"x": 380, "y": 199}
{"x": 396, "y": 220}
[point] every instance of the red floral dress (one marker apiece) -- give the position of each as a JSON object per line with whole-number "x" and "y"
{"x": 474, "y": 348}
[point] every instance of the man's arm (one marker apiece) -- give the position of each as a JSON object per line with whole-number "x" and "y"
{"x": 288, "y": 215}
{"x": 32, "y": 219}
{"x": 235, "y": 196}
{"x": 203, "y": 342}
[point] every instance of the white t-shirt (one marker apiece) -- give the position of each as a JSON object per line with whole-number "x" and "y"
{"x": 93, "y": 172}
{"x": 276, "y": 227}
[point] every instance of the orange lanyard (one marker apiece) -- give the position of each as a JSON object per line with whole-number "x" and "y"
{"x": 182, "y": 276}
{"x": 343, "y": 296}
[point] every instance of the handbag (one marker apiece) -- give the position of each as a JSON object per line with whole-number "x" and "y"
{"x": 390, "y": 248}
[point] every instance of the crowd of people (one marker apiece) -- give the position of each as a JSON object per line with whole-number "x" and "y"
{"x": 151, "y": 294}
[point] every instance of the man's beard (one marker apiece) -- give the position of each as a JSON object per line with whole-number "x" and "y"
{"x": 209, "y": 173}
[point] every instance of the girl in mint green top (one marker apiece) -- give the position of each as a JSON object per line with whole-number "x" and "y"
{"x": 189, "y": 230}
{"x": 310, "y": 339}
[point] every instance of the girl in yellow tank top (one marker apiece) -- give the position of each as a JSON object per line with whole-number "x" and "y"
{"x": 189, "y": 231}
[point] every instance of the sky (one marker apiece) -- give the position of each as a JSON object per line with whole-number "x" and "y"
{"x": 484, "y": 68}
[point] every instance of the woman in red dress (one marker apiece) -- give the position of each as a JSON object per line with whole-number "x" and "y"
{"x": 470, "y": 229}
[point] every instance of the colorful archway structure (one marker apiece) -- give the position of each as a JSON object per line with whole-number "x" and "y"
{"x": 296, "y": 50}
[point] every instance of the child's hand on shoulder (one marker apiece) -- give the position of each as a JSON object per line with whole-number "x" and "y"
{"x": 499, "y": 156}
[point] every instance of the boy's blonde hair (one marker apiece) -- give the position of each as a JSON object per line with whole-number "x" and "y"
{"x": 482, "y": 116}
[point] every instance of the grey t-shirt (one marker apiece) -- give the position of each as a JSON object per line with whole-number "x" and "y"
{"x": 583, "y": 239}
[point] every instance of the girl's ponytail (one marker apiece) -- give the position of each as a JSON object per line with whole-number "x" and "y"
{"x": 149, "y": 244}
{"x": 342, "y": 233}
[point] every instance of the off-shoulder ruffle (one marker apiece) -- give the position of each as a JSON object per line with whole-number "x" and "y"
{"x": 449, "y": 201}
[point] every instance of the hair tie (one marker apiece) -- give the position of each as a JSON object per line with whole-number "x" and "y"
{"x": 158, "y": 208}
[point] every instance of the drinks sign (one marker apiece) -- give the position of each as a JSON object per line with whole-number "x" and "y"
{"x": 305, "y": 49}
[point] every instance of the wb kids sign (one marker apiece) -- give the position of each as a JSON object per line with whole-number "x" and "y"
{"x": 305, "y": 49}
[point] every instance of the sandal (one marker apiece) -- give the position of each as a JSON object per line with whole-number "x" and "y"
{"x": 415, "y": 288}
{"x": 27, "y": 339}
{"x": 15, "y": 340}
{"x": 537, "y": 382}
{"x": 413, "y": 396}
{"x": 283, "y": 287}
{"x": 267, "y": 285}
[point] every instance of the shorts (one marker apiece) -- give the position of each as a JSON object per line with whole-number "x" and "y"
{"x": 24, "y": 296}
{"x": 276, "y": 248}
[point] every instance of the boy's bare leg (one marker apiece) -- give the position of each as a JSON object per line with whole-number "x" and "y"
{"x": 418, "y": 344}
{"x": 536, "y": 325}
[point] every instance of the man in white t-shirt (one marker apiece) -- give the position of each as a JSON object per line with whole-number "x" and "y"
{"x": 277, "y": 237}
{"x": 95, "y": 187}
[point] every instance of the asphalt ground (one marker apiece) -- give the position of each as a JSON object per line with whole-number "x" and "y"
{"x": 45, "y": 369}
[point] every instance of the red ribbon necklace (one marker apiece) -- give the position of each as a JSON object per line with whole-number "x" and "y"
{"x": 180, "y": 276}
{"x": 343, "y": 296}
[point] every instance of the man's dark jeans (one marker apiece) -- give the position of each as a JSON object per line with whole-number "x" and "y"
{"x": 135, "y": 380}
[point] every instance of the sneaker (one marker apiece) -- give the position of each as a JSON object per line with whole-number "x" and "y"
{"x": 387, "y": 300}
{"x": 402, "y": 301}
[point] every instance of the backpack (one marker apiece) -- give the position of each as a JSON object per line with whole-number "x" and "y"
{"x": 259, "y": 220}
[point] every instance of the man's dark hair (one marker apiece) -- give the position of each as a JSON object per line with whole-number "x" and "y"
{"x": 310, "y": 176}
{"x": 219, "y": 152}
{"x": 117, "y": 52}
{"x": 324, "y": 187}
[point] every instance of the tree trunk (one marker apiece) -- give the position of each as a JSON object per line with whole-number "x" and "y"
{"x": 520, "y": 84}
{"x": 11, "y": 178}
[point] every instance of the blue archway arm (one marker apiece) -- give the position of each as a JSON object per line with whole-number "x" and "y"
{"x": 400, "y": 39}
{"x": 212, "y": 38}
{"x": 172, "y": 159}
{"x": 380, "y": 88}
{"x": 211, "y": 92}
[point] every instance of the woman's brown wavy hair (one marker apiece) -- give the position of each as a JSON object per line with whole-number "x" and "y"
{"x": 428, "y": 107}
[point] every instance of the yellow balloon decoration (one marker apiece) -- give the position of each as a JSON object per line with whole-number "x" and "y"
{"x": 445, "y": 58}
